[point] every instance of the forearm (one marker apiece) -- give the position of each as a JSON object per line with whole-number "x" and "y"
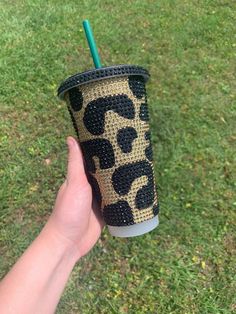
{"x": 36, "y": 282}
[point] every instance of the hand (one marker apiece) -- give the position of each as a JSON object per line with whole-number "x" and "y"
{"x": 71, "y": 231}
{"x": 76, "y": 218}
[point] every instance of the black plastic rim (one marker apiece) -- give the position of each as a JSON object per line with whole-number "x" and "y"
{"x": 99, "y": 74}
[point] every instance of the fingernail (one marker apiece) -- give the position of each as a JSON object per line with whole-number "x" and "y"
{"x": 71, "y": 141}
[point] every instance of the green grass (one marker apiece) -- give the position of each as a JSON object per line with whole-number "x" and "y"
{"x": 187, "y": 265}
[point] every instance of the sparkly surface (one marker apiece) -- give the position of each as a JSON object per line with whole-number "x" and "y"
{"x": 101, "y": 73}
{"x": 125, "y": 138}
{"x": 113, "y": 129}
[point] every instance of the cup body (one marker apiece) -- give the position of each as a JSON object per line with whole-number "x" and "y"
{"x": 109, "y": 110}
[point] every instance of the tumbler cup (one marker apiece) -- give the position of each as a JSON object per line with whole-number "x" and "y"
{"x": 109, "y": 111}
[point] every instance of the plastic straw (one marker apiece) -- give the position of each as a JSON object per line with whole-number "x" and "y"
{"x": 92, "y": 44}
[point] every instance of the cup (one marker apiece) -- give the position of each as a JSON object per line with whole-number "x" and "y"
{"x": 109, "y": 111}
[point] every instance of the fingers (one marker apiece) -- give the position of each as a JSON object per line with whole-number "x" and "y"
{"x": 75, "y": 169}
{"x": 97, "y": 213}
{"x": 96, "y": 217}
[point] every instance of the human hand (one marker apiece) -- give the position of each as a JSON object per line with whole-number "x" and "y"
{"x": 71, "y": 231}
{"x": 76, "y": 219}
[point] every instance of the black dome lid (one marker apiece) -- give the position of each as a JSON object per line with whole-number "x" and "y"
{"x": 99, "y": 74}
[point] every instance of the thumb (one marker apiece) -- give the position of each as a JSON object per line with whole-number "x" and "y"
{"x": 75, "y": 169}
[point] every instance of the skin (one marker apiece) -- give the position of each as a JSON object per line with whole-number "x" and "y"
{"x": 36, "y": 282}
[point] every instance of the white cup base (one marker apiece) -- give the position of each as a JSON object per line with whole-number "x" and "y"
{"x": 134, "y": 230}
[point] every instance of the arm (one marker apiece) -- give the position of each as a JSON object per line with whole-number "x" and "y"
{"x": 36, "y": 281}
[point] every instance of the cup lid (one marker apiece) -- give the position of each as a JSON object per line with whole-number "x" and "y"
{"x": 99, "y": 74}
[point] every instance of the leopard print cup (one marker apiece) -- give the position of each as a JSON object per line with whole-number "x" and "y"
{"x": 109, "y": 111}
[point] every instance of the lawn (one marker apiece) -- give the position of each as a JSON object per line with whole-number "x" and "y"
{"x": 187, "y": 264}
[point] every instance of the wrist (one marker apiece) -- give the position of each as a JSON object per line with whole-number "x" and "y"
{"x": 59, "y": 244}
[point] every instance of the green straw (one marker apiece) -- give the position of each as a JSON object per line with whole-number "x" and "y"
{"x": 92, "y": 44}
